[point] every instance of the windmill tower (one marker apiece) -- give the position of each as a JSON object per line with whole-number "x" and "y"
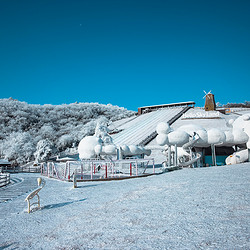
{"x": 209, "y": 101}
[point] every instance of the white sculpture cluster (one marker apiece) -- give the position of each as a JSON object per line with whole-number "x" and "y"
{"x": 101, "y": 144}
{"x": 237, "y": 133}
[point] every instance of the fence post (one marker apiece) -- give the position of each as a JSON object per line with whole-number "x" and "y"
{"x": 48, "y": 165}
{"x": 130, "y": 169}
{"x": 106, "y": 171}
{"x": 74, "y": 180}
{"x": 91, "y": 170}
{"x": 81, "y": 170}
{"x": 69, "y": 171}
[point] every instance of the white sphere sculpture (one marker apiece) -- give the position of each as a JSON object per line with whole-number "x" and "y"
{"x": 191, "y": 128}
{"x": 202, "y": 141}
{"x": 240, "y": 137}
{"x": 125, "y": 150}
{"x": 163, "y": 128}
{"x": 243, "y": 122}
{"x": 110, "y": 149}
{"x": 216, "y": 136}
{"x": 86, "y": 147}
{"x": 178, "y": 138}
{"x": 98, "y": 149}
{"x": 134, "y": 150}
{"x": 162, "y": 139}
{"x": 229, "y": 138}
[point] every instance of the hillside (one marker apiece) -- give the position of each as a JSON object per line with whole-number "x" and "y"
{"x": 29, "y": 131}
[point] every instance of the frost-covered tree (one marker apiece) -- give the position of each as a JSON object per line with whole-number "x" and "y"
{"x": 44, "y": 150}
{"x": 19, "y": 147}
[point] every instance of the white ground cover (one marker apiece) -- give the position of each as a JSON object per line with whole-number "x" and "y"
{"x": 202, "y": 208}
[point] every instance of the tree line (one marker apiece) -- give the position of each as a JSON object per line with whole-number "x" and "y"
{"x": 35, "y": 132}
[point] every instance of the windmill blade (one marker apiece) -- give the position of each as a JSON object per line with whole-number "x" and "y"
{"x": 205, "y": 94}
{"x": 208, "y": 94}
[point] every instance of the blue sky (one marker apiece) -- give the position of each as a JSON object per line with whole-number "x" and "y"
{"x": 124, "y": 52}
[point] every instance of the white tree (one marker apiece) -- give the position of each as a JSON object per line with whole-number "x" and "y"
{"x": 44, "y": 150}
{"x": 19, "y": 147}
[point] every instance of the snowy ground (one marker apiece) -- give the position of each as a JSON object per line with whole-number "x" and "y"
{"x": 205, "y": 208}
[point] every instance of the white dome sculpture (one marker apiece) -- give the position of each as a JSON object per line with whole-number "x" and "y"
{"x": 162, "y": 139}
{"x": 237, "y": 157}
{"x": 216, "y": 136}
{"x": 110, "y": 149}
{"x": 202, "y": 141}
{"x": 86, "y": 148}
{"x": 98, "y": 149}
{"x": 134, "y": 150}
{"x": 243, "y": 122}
{"x": 191, "y": 128}
{"x": 163, "y": 128}
{"x": 178, "y": 137}
{"x": 125, "y": 150}
{"x": 147, "y": 152}
{"x": 240, "y": 137}
{"x": 229, "y": 138}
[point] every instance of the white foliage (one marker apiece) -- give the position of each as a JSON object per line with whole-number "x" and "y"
{"x": 44, "y": 149}
{"x": 64, "y": 125}
{"x": 19, "y": 147}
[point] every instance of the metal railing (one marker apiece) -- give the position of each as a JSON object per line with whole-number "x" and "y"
{"x": 97, "y": 169}
{"x": 4, "y": 179}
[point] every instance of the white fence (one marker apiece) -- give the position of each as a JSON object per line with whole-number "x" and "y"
{"x": 98, "y": 169}
{"x": 4, "y": 179}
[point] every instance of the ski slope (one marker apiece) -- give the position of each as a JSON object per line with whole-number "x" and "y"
{"x": 137, "y": 130}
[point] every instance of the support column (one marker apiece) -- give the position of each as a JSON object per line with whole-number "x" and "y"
{"x": 169, "y": 155}
{"x": 213, "y": 154}
{"x": 175, "y": 156}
